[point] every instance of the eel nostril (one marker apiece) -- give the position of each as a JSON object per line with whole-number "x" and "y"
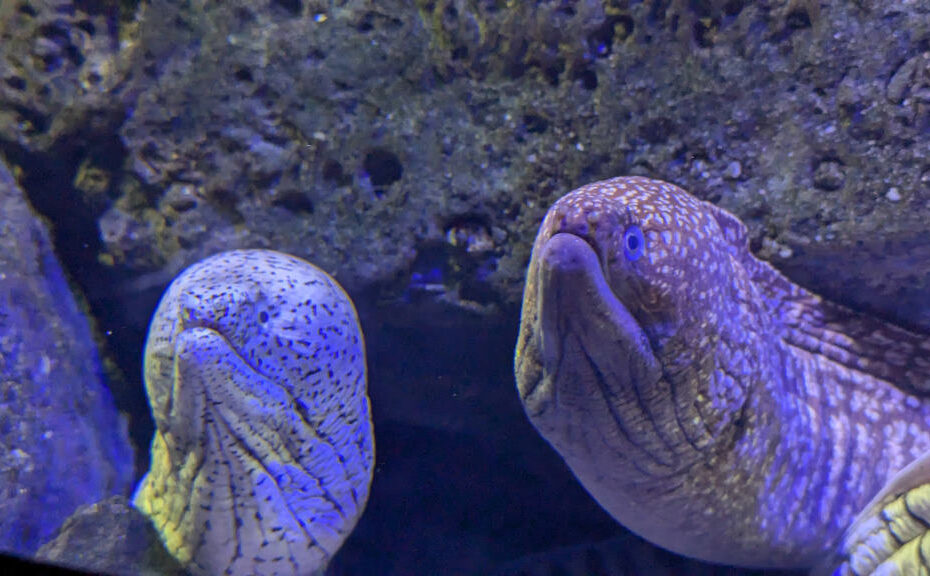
{"x": 189, "y": 310}
{"x": 575, "y": 222}
{"x": 195, "y": 311}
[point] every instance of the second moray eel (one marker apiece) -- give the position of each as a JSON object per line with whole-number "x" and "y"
{"x": 264, "y": 449}
{"x": 711, "y": 405}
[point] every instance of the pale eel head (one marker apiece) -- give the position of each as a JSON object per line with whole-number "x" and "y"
{"x": 631, "y": 295}
{"x": 263, "y": 452}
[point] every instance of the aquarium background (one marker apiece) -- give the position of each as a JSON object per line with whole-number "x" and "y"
{"x": 411, "y": 149}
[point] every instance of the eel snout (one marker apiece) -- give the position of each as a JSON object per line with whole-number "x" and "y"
{"x": 577, "y": 309}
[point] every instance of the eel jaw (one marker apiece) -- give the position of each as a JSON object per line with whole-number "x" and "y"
{"x": 197, "y": 343}
{"x": 592, "y": 369}
{"x": 572, "y": 294}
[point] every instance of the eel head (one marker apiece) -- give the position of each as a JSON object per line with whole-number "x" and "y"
{"x": 628, "y": 315}
{"x": 263, "y": 450}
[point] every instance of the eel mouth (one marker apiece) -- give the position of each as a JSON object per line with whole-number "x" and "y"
{"x": 203, "y": 326}
{"x": 573, "y": 298}
{"x": 597, "y": 378}
{"x": 198, "y": 337}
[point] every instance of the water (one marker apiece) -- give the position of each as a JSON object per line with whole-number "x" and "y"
{"x": 411, "y": 151}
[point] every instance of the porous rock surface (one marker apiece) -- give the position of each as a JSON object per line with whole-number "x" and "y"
{"x": 415, "y": 148}
{"x": 364, "y": 134}
{"x": 60, "y": 63}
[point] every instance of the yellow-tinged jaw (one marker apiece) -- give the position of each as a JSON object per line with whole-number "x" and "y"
{"x": 263, "y": 453}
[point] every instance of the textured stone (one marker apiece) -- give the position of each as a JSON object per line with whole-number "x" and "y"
{"x": 62, "y": 443}
{"x": 110, "y": 537}
{"x": 362, "y": 134}
{"x": 60, "y": 65}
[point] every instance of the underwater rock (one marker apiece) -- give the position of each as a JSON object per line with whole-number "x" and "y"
{"x": 59, "y": 63}
{"x": 264, "y": 448}
{"x": 62, "y": 443}
{"x": 360, "y": 134}
{"x": 110, "y": 537}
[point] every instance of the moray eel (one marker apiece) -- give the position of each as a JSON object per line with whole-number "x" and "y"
{"x": 262, "y": 456}
{"x": 709, "y": 404}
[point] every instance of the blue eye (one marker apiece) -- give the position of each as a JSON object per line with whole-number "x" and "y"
{"x": 633, "y": 243}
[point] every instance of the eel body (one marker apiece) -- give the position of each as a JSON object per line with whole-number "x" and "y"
{"x": 263, "y": 451}
{"x": 704, "y": 400}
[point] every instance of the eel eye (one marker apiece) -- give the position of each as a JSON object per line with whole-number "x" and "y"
{"x": 633, "y": 243}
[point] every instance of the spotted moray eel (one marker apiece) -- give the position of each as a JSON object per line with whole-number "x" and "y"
{"x": 263, "y": 450}
{"x": 709, "y": 404}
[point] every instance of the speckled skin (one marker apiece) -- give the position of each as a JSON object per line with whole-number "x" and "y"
{"x": 262, "y": 457}
{"x": 705, "y": 401}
